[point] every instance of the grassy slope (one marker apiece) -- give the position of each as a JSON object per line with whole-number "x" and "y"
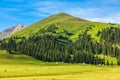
{"x": 59, "y": 19}
{"x": 21, "y": 67}
{"x": 6, "y": 58}
{"x": 64, "y": 22}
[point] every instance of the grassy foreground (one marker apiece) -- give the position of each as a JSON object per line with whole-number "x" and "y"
{"x": 21, "y": 67}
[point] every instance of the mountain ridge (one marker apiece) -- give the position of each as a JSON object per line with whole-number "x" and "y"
{"x": 8, "y": 32}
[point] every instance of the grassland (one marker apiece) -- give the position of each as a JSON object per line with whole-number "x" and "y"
{"x": 21, "y": 67}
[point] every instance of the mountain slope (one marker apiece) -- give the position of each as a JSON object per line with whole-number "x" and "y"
{"x": 63, "y": 22}
{"x": 11, "y": 30}
{"x": 64, "y": 38}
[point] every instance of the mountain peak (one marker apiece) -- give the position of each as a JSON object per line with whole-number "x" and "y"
{"x": 11, "y": 30}
{"x": 68, "y": 16}
{"x": 60, "y": 17}
{"x": 19, "y": 25}
{"x": 62, "y": 14}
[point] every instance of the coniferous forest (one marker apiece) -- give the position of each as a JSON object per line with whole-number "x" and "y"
{"x": 51, "y": 48}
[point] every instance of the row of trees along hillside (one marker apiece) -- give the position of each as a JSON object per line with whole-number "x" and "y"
{"x": 49, "y": 48}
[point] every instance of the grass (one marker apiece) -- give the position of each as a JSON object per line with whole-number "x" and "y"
{"x": 61, "y": 20}
{"x": 21, "y": 67}
{"x": 108, "y": 59}
{"x": 64, "y": 22}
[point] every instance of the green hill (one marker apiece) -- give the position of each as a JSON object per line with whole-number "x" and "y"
{"x": 63, "y": 22}
{"x": 64, "y": 38}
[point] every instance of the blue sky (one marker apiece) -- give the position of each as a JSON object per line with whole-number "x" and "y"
{"x": 26, "y": 12}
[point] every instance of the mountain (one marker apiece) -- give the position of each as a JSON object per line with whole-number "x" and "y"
{"x": 64, "y": 22}
{"x": 65, "y": 38}
{"x": 11, "y": 30}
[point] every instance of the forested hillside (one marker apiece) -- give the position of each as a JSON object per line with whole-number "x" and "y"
{"x": 64, "y": 43}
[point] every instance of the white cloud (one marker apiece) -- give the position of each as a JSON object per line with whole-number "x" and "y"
{"x": 107, "y": 20}
{"x": 51, "y": 3}
{"x": 113, "y": 18}
{"x": 48, "y": 7}
{"x": 37, "y": 14}
{"x": 45, "y": 8}
{"x": 96, "y": 14}
{"x": 83, "y": 12}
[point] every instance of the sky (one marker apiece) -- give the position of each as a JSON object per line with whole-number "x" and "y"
{"x": 26, "y": 12}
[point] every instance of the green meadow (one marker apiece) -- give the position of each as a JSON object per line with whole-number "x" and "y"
{"x": 22, "y": 67}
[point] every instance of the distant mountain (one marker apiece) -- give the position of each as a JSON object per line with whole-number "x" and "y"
{"x": 11, "y": 30}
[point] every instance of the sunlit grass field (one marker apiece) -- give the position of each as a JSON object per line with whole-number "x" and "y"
{"x": 21, "y": 67}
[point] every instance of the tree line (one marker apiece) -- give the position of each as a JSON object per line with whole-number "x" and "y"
{"x": 49, "y": 48}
